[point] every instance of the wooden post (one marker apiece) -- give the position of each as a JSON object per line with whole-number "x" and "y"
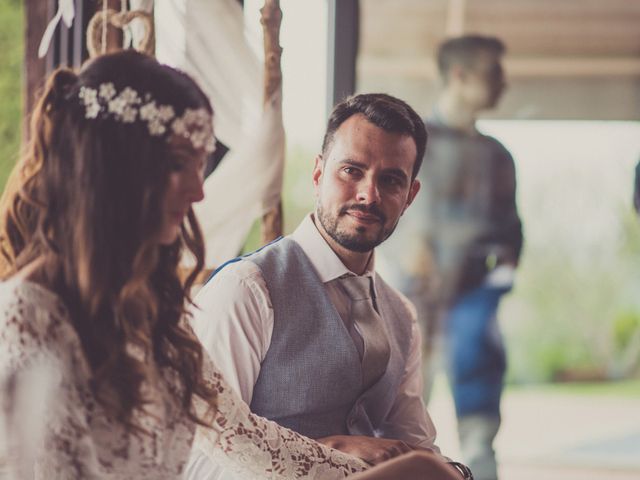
{"x": 114, "y": 35}
{"x": 271, "y": 18}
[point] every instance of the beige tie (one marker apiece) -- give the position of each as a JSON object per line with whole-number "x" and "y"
{"x": 374, "y": 335}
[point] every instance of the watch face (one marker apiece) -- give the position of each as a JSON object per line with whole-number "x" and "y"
{"x": 463, "y": 469}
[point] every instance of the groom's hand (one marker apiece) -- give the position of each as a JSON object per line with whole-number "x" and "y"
{"x": 370, "y": 449}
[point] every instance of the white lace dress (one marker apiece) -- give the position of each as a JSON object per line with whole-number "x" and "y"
{"x": 50, "y": 419}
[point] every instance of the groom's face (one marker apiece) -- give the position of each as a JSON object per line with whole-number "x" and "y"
{"x": 364, "y": 184}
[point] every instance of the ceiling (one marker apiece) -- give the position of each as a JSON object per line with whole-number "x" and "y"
{"x": 574, "y": 59}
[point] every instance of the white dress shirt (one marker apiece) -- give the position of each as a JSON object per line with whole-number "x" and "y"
{"x": 234, "y": 322}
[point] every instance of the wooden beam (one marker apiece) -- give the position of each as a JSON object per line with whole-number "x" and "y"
{"x": 271, "y": 18}
{"x": 114, "y": 35}
{"x": 515, "y": 67}
{"x": 573, "y": 67}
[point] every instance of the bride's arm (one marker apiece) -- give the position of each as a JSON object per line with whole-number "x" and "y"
{"x": 246, "y": 443}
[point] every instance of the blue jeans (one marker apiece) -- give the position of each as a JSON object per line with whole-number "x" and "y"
{"x": 476, "y": 364}
{"x": 475, "y": 355}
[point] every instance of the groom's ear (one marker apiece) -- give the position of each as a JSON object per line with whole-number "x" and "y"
{"x": 318, "y": 170}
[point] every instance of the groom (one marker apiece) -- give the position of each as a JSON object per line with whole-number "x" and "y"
{"x": 305, "y": 329}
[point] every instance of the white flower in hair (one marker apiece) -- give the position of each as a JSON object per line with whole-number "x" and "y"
{"x": 198, "y": 138}
{"x": 129, "y": 115}
{"x": 130, "y": 96}
{"x": 166, "y": 113}
{"x": 88, "y": 95}
{"x": 156, "y": 127}
{"x": 92, "y": 111}
{"x": 192, "y": 117}
{"x": 107, "y": 91}
{"x": 178, "y": 126}
{"x": 149, "y": 111}
{"x": 117, "y": 105}
{"x": 123, "y": 106}
{"x": 193, "y": 124}
{"x": 90, "y": 100}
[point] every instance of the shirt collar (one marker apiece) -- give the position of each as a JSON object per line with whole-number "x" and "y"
{"x": 325, "y": 261}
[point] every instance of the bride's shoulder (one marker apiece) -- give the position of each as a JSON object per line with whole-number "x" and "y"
{"x": 31, "y": 316}
{"x": 19, "y": 296}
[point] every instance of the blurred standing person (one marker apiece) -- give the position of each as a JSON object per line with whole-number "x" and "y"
{"x": 470, "y": 238}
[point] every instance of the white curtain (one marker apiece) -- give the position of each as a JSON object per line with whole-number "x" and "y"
{"x": 206, "y": 38}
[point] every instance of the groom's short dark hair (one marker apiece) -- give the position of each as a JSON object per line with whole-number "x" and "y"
{"x": 384, "y": 111}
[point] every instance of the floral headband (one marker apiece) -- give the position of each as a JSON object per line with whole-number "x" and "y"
{"x": 129, "y": 106}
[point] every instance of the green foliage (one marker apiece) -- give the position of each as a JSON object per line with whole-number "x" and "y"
{"x": 625, "y": 326}
{"x": 577, "y": 320}
{"x": 11, "y": 57}
{"x": 297, "y": 195}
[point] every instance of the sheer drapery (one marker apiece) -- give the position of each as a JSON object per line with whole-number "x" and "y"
{"x": 206, "y": 38}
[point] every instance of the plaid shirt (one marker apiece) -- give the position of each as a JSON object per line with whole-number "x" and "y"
{"x": 465, "y": 215}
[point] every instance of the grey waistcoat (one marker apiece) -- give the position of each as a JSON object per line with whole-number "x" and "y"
{"x": 311, "y": 377}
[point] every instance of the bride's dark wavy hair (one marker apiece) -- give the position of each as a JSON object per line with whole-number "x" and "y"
{"x": 86, "y": 201}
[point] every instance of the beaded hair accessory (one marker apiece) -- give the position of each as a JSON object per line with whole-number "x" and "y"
{"x": 129, "y": 106}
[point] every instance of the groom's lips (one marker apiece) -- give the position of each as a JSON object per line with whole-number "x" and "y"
{"x": 364, "y": 217}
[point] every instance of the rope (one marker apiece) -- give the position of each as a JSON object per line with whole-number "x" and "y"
{"x": 101, "y": 21}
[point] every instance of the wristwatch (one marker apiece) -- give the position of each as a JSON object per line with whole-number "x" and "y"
{"x": 462, "y": 469}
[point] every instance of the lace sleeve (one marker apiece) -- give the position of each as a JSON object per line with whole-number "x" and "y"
{"x": 251, "y": 445}
{"x": 41, "y": 412}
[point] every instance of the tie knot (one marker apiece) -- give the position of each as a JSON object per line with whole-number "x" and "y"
{"x": 358, "y": 288}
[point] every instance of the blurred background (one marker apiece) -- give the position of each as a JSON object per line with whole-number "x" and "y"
{"x": 570, "y": 118}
